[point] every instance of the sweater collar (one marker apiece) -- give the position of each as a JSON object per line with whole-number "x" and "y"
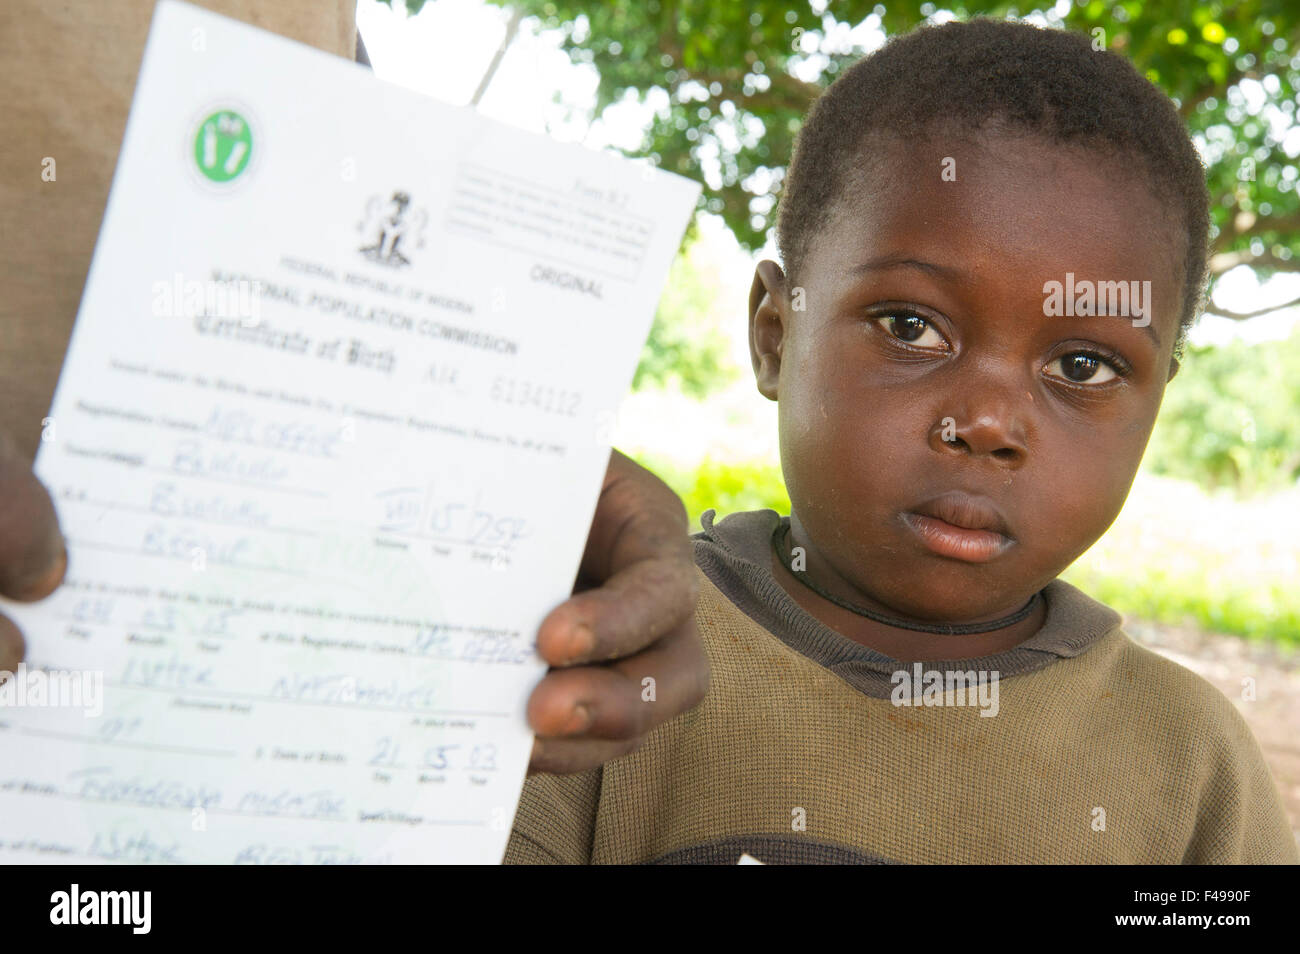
{"x": 735, "y": 554}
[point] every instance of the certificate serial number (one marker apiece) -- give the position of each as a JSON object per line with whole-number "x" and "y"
{"x": 549, "y": 399}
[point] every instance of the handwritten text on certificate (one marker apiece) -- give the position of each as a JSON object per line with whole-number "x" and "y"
{"x": 325, "y": 449}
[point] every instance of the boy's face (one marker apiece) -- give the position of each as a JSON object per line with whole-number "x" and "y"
{"x": 948, "y": 447}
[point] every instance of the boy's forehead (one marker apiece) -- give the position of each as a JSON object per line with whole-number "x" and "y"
{"x": 1013, "y": 193}
{"x": 1010, "y": 207}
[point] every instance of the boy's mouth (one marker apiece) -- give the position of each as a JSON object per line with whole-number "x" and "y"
{"x": 960, "y": 526}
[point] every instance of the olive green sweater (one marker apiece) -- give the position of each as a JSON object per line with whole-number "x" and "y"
{"x": 1089, "y": 749}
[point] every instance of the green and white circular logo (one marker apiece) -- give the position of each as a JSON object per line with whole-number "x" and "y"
{"x": 223, "y": 146}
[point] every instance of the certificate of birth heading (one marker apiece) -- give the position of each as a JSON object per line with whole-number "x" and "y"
{"x": 325, "y": 449}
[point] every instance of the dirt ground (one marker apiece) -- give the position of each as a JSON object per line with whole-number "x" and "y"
{"x": 1273, "y": 715}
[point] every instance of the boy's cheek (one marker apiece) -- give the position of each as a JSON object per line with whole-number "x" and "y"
{"x": 833, "y": 454}
{"x": 1076, "y": 508}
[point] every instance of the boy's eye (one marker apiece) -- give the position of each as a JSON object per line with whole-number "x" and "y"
{"x": 913, "y": 329}
{"x": 1081, "y": 367}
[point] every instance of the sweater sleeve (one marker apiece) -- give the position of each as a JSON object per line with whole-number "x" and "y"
{"x": 1240, "y": 818}
{"x": 556, "y": 820}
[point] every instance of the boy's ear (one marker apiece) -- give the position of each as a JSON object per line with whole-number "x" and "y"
{"x": 1173, "y": 369}
{"x": 767, "y": 325}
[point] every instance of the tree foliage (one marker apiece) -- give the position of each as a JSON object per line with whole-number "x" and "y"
{"x": 686, "y": 351}
{"x": 1231, "y": 417}
{"x": 731, "y": 82}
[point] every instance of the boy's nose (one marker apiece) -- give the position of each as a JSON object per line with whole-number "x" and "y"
{"x": 996, "y": 432}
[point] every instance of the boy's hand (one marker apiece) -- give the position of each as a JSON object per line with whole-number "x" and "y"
{"x": 32, "y": 555}
{"x": 643, "y": 663}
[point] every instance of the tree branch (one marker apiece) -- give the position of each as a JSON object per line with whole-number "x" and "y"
{"x": 1188, "y": 106}
{"x": 512, "y": 27}
{"x": 1277, "y": 223}
{"x": 1214, "y": 309}
{"x": 1226, "y": 261}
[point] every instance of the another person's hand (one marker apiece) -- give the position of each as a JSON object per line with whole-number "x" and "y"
{"x": 33, "y": 558}
{"x": 624, "y": 649}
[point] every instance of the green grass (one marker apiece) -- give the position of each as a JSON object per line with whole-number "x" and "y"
{"x": 1266, "y": 612}
{"x": 725, "y": 487}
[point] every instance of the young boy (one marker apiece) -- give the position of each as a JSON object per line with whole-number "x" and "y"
{"x": 897, "y": 673}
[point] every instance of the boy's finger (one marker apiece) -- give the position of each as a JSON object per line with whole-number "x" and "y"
{"x": 33, "y": 558}
{"x": 595, "y": 702}
{"x": 639, "y": 556}
{"x": 563, "y": 756}
{"x": 626, "y": 699}
{"x": 635, "y": 607}
{"x": 637, "y": 517}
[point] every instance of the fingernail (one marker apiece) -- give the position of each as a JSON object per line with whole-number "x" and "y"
{"x": 581, "y": 641}
{"x": 580, "y": 719}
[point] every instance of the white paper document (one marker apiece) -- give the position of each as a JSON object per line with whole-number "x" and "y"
{"x": 325, "y": 448}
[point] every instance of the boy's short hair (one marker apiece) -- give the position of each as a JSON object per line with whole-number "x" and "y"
{"x": 1007, "y": 75}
